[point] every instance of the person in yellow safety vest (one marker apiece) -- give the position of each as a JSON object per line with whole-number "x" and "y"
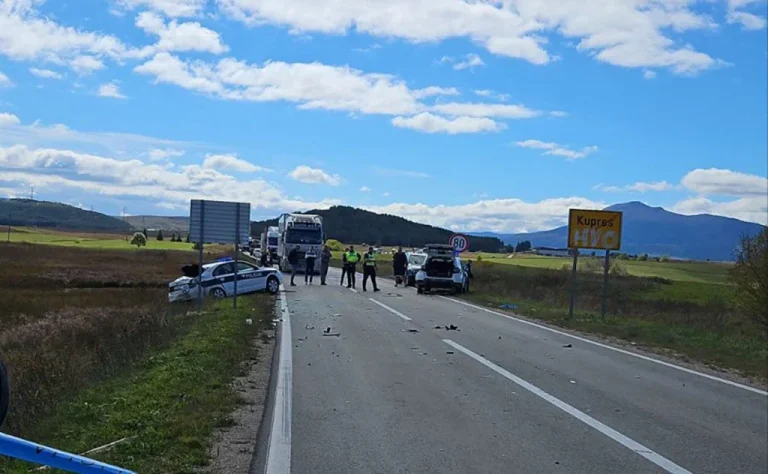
{"x": 369, "y": 269}
{"x": 352, "y": 258}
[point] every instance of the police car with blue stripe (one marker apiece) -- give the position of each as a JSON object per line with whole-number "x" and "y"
{"x": 218, "y": 280}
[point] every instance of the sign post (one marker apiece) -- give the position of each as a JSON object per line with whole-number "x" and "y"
{"x": 589, "y": 229}
{"x": 459, "y": 242}
{"x": 219, "y": 222}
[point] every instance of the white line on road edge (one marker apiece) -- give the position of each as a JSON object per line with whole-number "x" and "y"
{"x": 391, "y": 310}
{"x": 279, "y": 452}
{"x": 605, "y": 346}
{"x": 633, "y": 445}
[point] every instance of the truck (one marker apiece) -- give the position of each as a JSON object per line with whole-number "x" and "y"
{"x": 303, "y": 230}
{"x": 270, "y": 241}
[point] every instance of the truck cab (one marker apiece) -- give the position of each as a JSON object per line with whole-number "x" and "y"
{"x": 304, "y": 231}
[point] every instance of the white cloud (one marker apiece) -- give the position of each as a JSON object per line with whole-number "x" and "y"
{"x": 86, "y": 64}
{"x": 231, "y": 163}
{"x": 365, "y": 189}
{"x": 640, "y": 187}
{"x": 305, "y": 174}
{"x": 5, "y": 81}
{"x": 319, "y": 86}
{"x": 648, "y": 74}
{"x": 748, "y": 21}
{"x": 558, "y": 114}
{"x": 429, "y": 123}
{"x": 468, "y": 61}
{"x": 555, "y": 149}
{"x": 628, "y": 34}
{"x": 174, "y": 36}
{"x": 751, "y": 209}
{"x": 111, "y": 89}
{"x": 58, "y": 169}
{"x": 170, "y": 206}
{"x": 7, "y": 119}
{"x": 498, "y": 215}
{"x": 160, "y": 154}
{"x": 388, "y": 172}
{"x": 386, "y": 194}
{"x": 491, "y": 94}
{"x": 725, "y": 183}
{"x": 45, "y": 73}
{"x": 172, "y": 8}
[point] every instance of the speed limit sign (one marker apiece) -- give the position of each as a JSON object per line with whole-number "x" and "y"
{"x": 459, "y": 242}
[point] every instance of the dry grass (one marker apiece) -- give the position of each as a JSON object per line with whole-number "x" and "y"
{"x": 70, "y": 317}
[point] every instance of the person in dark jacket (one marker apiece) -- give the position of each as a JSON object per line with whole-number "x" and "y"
{"x": 399, "y": 266}
{"x": 344, "y": 265}
{"x": 325, "y": 261}
{"x": 293, "y": 260}
{"x": 309, "y": 271}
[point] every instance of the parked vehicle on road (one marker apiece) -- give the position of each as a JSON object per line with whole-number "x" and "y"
{"x": 218, "y": 280}
{"x": 415, "y": 261}
{"x": 304, "y": 231}
{"x": 442, "y": 271}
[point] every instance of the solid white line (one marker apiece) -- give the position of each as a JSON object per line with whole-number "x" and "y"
{"x": 633, "y": 445}
{"x": 622, "y": 351}
{"x": 279, "y": 452}
{"x": 391, "y": 310}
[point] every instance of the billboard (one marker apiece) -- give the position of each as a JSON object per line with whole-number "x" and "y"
{"x": 594, "y": 229}
{"x": 219, "y": 222}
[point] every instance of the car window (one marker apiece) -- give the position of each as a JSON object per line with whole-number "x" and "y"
{"x": 243, "y": 267}
{"x": 225, "y": 269}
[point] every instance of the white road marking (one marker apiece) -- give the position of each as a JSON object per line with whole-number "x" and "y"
{"x": 633, "y": 445}
{"x": 352, "y": 290}
{"x": 622, "y": 351}
{"x": 279, "y": 452}
{"x": 391, "y": 310}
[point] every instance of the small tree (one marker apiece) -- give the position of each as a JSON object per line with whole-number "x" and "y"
{"x": 139, "y": 239}
{"x": 159, "y": 234}
{"x": 145, "y": 233}
{"x": 750, "y": 276}
{"x": 664, "y": 258}
{"x": 187, "y": 240}
{"x": 643, "y": 257}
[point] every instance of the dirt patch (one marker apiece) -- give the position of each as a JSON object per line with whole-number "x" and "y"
{"x": 234, "y": 445}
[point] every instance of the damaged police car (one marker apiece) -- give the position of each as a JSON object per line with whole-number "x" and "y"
{"x": 218, "y": 280}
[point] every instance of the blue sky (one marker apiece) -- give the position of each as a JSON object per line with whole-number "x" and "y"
{"x": 495, "y": 115}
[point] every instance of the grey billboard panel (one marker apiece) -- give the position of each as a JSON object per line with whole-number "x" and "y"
{"x": 219, "y": 221}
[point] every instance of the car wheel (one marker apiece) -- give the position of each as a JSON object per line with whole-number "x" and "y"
{"x": 273, "y": 286}
{"x": 420, "y": 290}
{"x": 218, "y": 293}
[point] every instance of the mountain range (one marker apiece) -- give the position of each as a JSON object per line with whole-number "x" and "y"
{"x": 656, "y": 231}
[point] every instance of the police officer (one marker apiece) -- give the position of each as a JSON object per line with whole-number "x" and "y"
{"x": 293, "y": 260}
{"x": 352, "y": 258}
{"x": 369, "y": 269}
{"x": 344, "y": 265}
{"x": 309, "y": 259}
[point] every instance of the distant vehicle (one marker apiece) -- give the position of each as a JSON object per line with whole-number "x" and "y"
{"x": 270, "y": 241}
{"x": 442, "y": 270}
{"x": 415, "y": 261}
{"x": 218, "y": 281}
{"x": 302, "y": 230}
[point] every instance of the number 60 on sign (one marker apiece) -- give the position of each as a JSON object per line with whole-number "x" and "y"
{"x": 594, "y": 229}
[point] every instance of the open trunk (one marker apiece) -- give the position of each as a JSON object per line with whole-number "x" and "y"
{"x": 439, "y": 267}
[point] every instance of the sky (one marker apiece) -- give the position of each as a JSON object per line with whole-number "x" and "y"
{"x": 484, "y": 115}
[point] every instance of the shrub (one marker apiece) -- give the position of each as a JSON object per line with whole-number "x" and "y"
{"x": 618, "y": 268}
{"x": 139, "y": 239}
{"x": 750, "y": 276}
{"x": 664, "y": 258}
{"x": 335, "y": 245}
{"x": 159, "y": 235}
{"x": 643, "y": 257}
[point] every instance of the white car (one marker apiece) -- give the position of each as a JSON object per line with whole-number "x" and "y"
{"x": 442, "y": 270}
{"x": 218, "y": 281}
{"x": 415, "y": 261}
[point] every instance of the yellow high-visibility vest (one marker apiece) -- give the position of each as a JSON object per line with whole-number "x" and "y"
{"x": 370, "y": 260}
{"x": 353, "y": 257}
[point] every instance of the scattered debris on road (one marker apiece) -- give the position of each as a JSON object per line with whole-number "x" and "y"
{"x": 573, "y": 381}
{"x": 327, "y": 330}
{"x": 449, "y": 352}
{"x": 508, "y": 306}
{"x": 409, "y": 330}
{"x": 452, "y": 327}
{"x": 336, "y": 334}
{"x": 336, "y": 315}
{"x": 568, "y": 346}
{"x": 309, "y": 327}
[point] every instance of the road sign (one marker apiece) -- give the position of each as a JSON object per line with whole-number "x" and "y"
{"x": 594, "y": 229}
{"x": 459, "y": 242}
{"x": 219, "y": 222}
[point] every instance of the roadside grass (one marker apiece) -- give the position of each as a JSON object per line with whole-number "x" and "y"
{"x": 171, "y": 402}
{"x": 697, "y": 320}
{"x": 701, "y": 272}
{"x": 94, "y": 240}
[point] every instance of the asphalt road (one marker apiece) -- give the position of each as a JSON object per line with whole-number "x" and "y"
{"x": 394, "y": 394}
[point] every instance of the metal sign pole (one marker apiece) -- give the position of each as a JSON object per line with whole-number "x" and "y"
{"x": 573, "y": 283}
{"x": 605, "y": 283}
{"x": 200, "y": 259}
{"x": 237, "y": 245}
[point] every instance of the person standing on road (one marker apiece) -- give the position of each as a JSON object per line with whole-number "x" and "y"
{"x": 399, "y": 266}
{"x": 293, "y": 260}
{"x": 309, "y": 260}
{"x": 344, "y": 265}
{"x": 352, "y": 258}
{"x": 369, "y": 269}
{"x": 325, "y": 261}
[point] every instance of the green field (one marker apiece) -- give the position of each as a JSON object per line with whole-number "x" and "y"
{"x": 86, "y": 240}
{"x": 700, "y": 272}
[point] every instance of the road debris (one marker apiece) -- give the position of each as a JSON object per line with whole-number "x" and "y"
{"x": 336, "y": 315}
{"x": 309, "y": 327}
{"x": 568, "y": 346}
{"x": 449, "y": 352}
{"x": 452, "y": 327}
{"x": 573, "y": 381}
{"x": 336, "y": 334}
{"x": 409, "y": 330}
{"x": 508, "y": 306}
{"x": 327, "y": 330}
{"x": 249, "y": 322}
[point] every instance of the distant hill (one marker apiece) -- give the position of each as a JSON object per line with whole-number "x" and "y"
{"x": 351, "y": 225}
{"x": 656, "y": 231}
{"x": 54, "y": 215}
{"x": 164, "y": 223}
